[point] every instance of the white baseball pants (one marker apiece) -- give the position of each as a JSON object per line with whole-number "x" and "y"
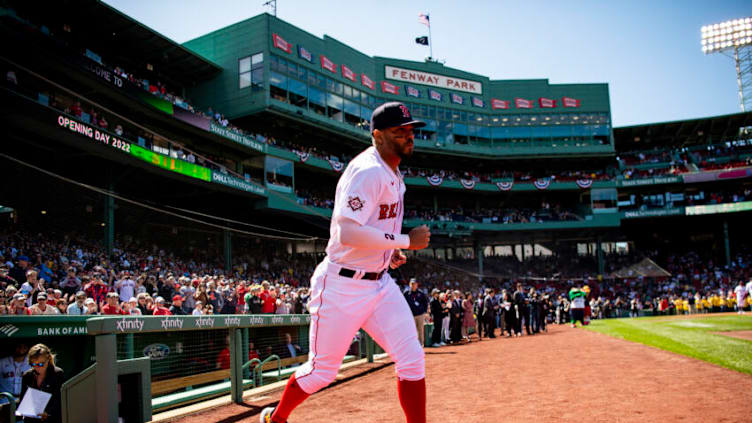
{"x": 339, "y": 306}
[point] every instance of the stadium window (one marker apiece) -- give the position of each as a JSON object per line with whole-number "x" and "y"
{"x": 365, "y": 117}
{"x": 484, "y": 134}
{"x": 292, "y": 69}
{"x": 278, "y": 86}
{"x": 317, "y": 101}
{"x": 302, "y": 73}
{"x": 251, "y": 70}
{"x": 257, "y": 77}
{"x": 334, "y": 107}
{"x": 244, "y": 71}
{"x": 333, "y": 86}
{"x": 352, "y": 113}
{"x": 281, "y": 65}
{"x": 298, "y": 93}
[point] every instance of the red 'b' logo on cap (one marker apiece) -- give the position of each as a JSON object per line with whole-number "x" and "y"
{"x": 405, "y": 112}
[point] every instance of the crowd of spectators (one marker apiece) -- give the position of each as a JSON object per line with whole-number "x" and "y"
{"x": 681, "y": 199}
{"x": 499, "y": 175}
{"x": 546, "y": 213}
{"x": 727, "y": 155}
{"x": 43, "y": 275}
{"x": 46, "y": 275}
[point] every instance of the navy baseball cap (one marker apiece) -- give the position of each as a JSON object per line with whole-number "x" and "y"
{"x": 393, "y": 114}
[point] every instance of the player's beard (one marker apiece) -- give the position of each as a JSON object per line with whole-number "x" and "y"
{"x": 405, "y": 151}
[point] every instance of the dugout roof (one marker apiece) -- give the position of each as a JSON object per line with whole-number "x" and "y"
{"x": 710, "y": 130}
{"x": 106, "y": 30}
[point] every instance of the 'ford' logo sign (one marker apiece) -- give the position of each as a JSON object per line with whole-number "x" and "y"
{"x": 156, "y": 351}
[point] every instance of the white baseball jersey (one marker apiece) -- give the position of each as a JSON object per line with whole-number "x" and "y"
{"x": 740, "y": 291}
{"x": 749, "y": 288}
{"x": 370, "y": 193}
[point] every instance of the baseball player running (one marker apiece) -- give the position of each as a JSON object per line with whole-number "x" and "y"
{"x": 350, "y": 288}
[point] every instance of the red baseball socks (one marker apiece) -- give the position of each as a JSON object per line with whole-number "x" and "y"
{"x": 412, "y": 396}
{"x": 291, "y": 398}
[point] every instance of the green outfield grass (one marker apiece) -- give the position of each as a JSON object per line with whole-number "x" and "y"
{"x": 691, "y": 337}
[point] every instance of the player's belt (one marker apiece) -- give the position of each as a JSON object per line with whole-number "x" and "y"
{"x": 372, "y": 276}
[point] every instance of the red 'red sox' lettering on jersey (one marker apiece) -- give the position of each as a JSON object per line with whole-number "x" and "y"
{"x": 388, "y": 211}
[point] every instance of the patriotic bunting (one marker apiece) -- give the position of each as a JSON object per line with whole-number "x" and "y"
{"x": 505, "y": 185}
{"x": 467, "y": 183}
{"x": 458, "y": 99}
{"x": 303, "y": 156}
{"x": 435, "y": 95}
{"x": 542, "y": 183}
{"x": 434, "y": 180}
{"x": 584, "y": 183}
{"x": 412, "y": 91}
{"x": 337, "y": 166}
{"x": 477, "y": 102}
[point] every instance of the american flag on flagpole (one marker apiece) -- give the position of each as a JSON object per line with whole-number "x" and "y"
{"x": 424, "y": 19}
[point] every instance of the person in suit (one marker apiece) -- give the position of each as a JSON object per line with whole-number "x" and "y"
{"x": 509, "y": 312}
{"x": 289, "y": 349}
{"x": 46, "y": 377}
{"x": 533, "y": 311}
{"x": 520, "y": 305}
{"x": 456, "y": 317}
{"x": 437, "y": 313}
{"x": 489, "y": 313}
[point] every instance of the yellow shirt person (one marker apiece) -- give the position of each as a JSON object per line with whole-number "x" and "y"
{"x": 679, "y": 304}
{"x": 730, "y": 302}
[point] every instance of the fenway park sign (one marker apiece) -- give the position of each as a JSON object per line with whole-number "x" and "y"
{"x": 432, "y": 79}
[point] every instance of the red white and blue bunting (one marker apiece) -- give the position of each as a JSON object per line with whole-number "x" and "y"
{"x": 584, "y": 183}
{"x": 505, "y": 185}
{"x": 542, "y": 183}
{"x": 303, "y": 156}
{"x": 435, "y": 180}
{"x": 467, "y": 183}
{"x": 337, "y": 166}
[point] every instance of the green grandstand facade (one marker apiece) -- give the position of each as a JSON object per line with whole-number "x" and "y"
{"x": 271, "y": 65}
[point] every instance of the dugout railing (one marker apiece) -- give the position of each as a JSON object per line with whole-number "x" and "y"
{"x": 111, "y": 332}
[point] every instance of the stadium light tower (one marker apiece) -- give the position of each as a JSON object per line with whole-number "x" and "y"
{"x": 733, "y": 39}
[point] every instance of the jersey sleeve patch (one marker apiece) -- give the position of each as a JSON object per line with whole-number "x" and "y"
{"x": 355, "y": 203}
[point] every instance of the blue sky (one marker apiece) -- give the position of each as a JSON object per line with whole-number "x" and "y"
{"x": 649, "y": 52}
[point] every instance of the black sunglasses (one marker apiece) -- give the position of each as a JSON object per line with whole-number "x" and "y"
{"x": 38, "y": 364}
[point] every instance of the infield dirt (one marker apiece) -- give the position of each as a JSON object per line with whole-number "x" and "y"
{"x": 563, "y": 375}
